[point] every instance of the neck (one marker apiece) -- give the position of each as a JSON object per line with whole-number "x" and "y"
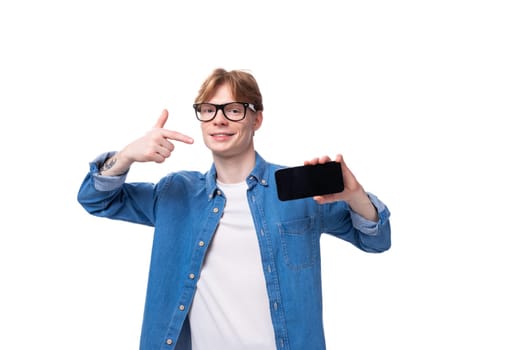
{"x": 234, "y": 169}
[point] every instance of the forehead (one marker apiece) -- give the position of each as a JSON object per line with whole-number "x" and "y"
{"x": 223, "y": 94}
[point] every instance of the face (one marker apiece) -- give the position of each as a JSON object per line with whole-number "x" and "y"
{"x": 227, "y": 139}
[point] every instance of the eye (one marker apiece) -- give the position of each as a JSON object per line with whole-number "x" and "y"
{"x": 206, "y": 109}
{"x": 235, "y": 108}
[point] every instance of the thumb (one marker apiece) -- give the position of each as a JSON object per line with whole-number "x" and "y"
{"x": 339, "y": 158}
{"x": 344, "y": 167}
{"x": 162, "y": 119}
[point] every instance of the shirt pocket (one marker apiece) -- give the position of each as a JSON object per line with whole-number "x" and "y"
{"x": 298, "y": 242}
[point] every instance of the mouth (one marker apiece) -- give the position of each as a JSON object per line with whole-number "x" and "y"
{"x": 221, "y": 134}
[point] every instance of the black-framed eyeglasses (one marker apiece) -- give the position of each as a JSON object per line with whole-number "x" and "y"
{"x": 233, "y": 111}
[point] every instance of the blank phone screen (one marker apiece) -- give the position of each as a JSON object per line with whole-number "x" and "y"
{"x": 309, "y": 180}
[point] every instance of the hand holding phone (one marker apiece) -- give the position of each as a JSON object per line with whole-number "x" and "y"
{"x": 309, "y": 180}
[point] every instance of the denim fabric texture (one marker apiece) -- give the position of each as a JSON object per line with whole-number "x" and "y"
{"x": 185, "y": 208}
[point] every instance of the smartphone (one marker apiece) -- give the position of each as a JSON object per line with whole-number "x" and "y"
{"x": 309, "y": 180}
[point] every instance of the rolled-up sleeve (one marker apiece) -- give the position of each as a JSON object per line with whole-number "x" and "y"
{"x": 370, "y": 227}
{"x": 102, "y": 182}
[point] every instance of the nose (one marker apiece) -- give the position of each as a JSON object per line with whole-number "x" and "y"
{"x": 220, "y": 118}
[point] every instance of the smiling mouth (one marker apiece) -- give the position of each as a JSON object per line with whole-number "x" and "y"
{"x": 221, "y": 134}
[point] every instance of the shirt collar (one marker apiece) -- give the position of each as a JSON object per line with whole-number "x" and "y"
{"x": 258, "y": 175}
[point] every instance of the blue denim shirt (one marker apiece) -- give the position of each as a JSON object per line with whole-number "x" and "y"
{"x": 185, "y": 208}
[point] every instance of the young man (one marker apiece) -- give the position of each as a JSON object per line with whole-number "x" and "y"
{"x": 232, "y": 266}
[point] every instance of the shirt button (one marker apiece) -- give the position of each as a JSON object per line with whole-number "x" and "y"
{"x": 215, "y": 210}
{"x": 263, "y": 182}
{"x": 219, "y": 193}
{"x": 181, "y": 307}
{"x": 191, "y": 276}
{"x": 169, "y": 341}
{"x": 201, "y": 244}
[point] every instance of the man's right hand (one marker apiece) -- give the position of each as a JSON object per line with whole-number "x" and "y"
{"x": 155, "y": 146}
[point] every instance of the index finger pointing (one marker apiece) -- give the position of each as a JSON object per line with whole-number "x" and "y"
{"x": 177, "y": 136}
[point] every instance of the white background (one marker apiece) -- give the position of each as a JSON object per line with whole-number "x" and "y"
{"x": 423, "y": 99}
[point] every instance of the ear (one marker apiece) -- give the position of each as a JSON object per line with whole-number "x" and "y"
{"x": 257, "y": 121}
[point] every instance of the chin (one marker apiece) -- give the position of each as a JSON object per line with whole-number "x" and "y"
{"x": 222, "y": 153}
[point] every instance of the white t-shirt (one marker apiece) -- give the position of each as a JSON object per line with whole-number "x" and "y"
{"x": 230, "y": 310}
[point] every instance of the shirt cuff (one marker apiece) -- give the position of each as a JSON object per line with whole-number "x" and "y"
{"x": 370, "y": 227}
{"x": 101, "y": 182}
